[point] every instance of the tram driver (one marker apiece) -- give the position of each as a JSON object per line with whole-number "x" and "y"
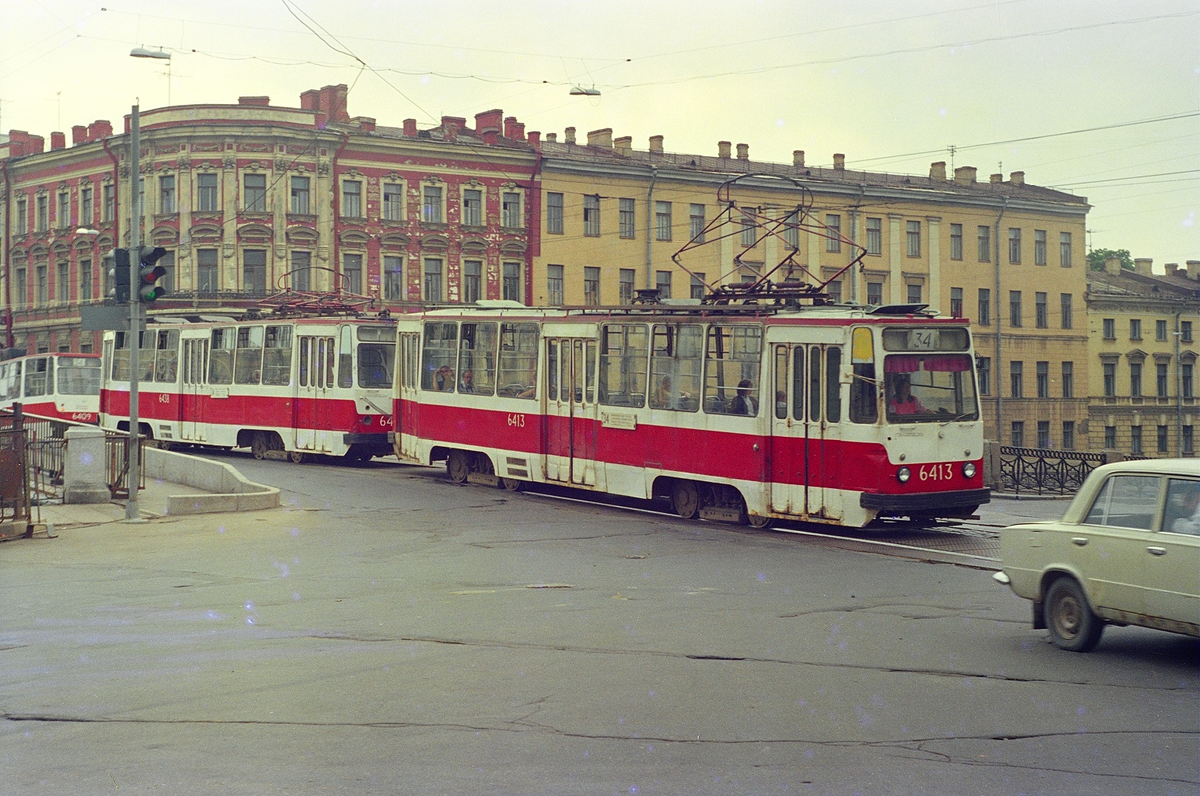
{"x": 903, "y": 402}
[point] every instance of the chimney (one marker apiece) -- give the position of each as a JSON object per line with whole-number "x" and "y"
{"x": 964, "y": 175}
{"x": 723, "y": 149}
{"x": 569, "y": 135}
{"x": 1193, "y": 269}
{"x": 937, "y": 170}
{"x": 551, "y": 138}
{"x": 488, "y": 125}
{"x": 656, "y": 144}
{"x": 365, "y": 123}
{"x": 333, "y": 102}
{"x": 623, "y": 145}
{"x": 262, "y": 102}
{"x": 410, "y": 128}
{"x": 35, "y": 145}
{"x": 450, "y": 127}
{"x": 518, "y": 131}
{"x": 535, "y": 140}
{"x": 311, "y": 100}
{"x": 79, "y": 135}
{"x": 1112, "y": 265}
{"x": 839, "y": 162}
{"x": 798, "y": 158}
{"x": 995, "y": 179}
{"x": 58, "y": 141}
{"x": 1017, "y": 178}
{"x": 743, "y": 151}
{"x": 510, "y": 125}
{"x": 101, "y": 128}
{"x": 601, "y": 139}
{"x": 1171, "y": 269}
{"x": 1142, "y": 265}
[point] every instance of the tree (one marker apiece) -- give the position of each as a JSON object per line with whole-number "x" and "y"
{"x": 1097, "y": 257}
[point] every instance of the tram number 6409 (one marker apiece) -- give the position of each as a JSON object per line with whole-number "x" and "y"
{"x": 517, "y": 420}
{"x": 936, "y": 472}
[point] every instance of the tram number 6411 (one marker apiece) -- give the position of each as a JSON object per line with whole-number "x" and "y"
{"x": 517, "y": 420}
{"x": 936, "y": 472}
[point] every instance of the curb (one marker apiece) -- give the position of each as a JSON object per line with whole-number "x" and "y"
{"x": 227, "y": 489}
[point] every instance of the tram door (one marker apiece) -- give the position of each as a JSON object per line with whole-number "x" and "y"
{"x": 313, "y": 382}
{"x": 195, "y": 388}
{"x": 805, "y": 429}
{"x": 571, "y": 410}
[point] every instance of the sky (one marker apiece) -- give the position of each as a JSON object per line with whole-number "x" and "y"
{"x": 1098, "y": 98}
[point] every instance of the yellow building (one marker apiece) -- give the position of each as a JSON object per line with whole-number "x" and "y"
{"x": 1004, "y": 253}
{"x": 1143, "y": 351}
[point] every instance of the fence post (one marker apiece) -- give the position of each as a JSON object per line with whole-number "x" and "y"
{"x": 991, "y": 465}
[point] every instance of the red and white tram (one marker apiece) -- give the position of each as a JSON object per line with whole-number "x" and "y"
{"x": 62, "y": 386}
{"x": 284, "y": 387}
{"x": 831, "y": 414}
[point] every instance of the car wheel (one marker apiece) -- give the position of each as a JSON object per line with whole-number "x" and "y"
{"x": 1069, "y": 618}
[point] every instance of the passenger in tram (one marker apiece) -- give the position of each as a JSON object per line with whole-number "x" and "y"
{"x": 664, "y": 396}
{"x": 443, "y": 379}
{"x": 780, "y": 404}
{"x": 904, "y": 402}
{"x": 468, "y": 382}
{"x": 744, "y": 403}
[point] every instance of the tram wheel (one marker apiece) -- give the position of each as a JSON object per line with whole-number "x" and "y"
{"x": 458, "y": 466}
{"x": 759, "y": 521}
{"x": 512, "y": 484}
{"x": 296, "y": 457}
{"x": 259, "y": 445}
{"x": 685, "y": 499}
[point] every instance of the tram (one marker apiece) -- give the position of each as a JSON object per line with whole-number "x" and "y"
{"x": 737, "y": 411}
{"x": 62, "y": 386}
{"x": 284, "y": 387}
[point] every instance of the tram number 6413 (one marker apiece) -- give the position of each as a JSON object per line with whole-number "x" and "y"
{"x": 517, "y": 420}
{"x": 936, "y": 472}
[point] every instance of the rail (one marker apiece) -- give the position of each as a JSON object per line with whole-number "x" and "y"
{"x": 1042, "y": 471}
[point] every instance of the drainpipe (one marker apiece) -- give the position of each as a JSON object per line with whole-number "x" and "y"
{"x": 999, "y": 369}
{"x": 533, "y": 226}
{"x": 854, "y": 211}
{"x": 337, "y": 214}
{"x": 650, "y": 225}
{"x": 7, "y": 243}
{"x": 1178, "y": 387}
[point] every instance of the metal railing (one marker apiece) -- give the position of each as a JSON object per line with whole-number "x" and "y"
{"x": 1042, "y": 471}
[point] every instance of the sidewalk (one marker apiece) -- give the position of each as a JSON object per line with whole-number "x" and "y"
{"x": 152, "y": 503}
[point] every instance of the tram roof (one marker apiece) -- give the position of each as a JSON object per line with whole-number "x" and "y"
{"x": 693, "y": 309}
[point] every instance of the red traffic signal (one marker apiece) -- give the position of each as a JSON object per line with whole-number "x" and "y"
{"x": 149, "y": 273}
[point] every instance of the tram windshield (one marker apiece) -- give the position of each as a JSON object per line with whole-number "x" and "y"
{"x": 375, "y": 364}
{"x": 929, "y": 388}
{"x": 79, "y": 375}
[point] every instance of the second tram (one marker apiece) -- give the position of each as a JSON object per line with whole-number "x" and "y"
{"x": 832, "y": 414}
{"x": 62, "y": 386}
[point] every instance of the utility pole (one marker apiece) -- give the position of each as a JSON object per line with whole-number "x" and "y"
{"x": 132, "y": 513}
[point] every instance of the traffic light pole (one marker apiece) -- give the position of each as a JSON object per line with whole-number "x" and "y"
{"x": 132, "y": 513}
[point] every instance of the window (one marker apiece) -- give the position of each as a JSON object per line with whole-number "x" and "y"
{"x": 431, "y": 212}
{"x": 256, "y": 193}
{"x": 23, "y": 215}
{"x": 472, "y": 207}
{"x": 516, "y": 367}
{"x": 833, "y": 221}
{"x": 1187, "y": 376}
{"x": 591, "y": 286}
{"x": 626, "y": 286}
{"x": 432, "y": 286}
{"x": 749, "y": 226}
{"x": 624, "y": 351}
{"x": 62, "y": 286}
{"x": 1160, "y": 330}
{"x": 874, "y": 235}
{"x": 1068, "y": 435}
{"x": 1064, "y": 249}
{"x": 914, "y": 293}
{"x": 1018, "y": 433}
{"x": 352, "y": 206}
{"x": 1110, "y": 437}
{"x": 1014, "y": 245}
{"x": 1162, "y": 439}
{"x": 985, "y": 243}
{"x": 913, "y": 238}
{"x": 662, "y": 281}
{"x": 731, "y": 378}
{"x": 1043, "y": 379}
{"x": 662, "y": 220}
{"x": 1039, "y": 247}
{"x": 1016, "y": 379}
{"x": 393, "y": 278}
{"x": 791, "y": 231}
{"x": 1014, "y": 308}
{"x": 983, "y": 366}
{"x": 206, "y": 193}
{"x": 1160, "y": 379}
{"x": 301, "y": 195}
{"x": 554, "y": 213}
{"x": 1185, "y": 331}
{"x": 1135, "y": 440}
{"x": 1135, "y": 379}
{"x": 247, "y": 356}
{"x": 1110, "y": 379}
{"x": 511, "y": 282}
{"x": 254, "y": 272}
{"x": 1040, "y": 314}
{"x": 1068, "y": 380}
{"x": 352, "y": 271}
{"x": 1135, "y": 328}
{"x": 956, "y": 302}
{"x": 110, "y": 203}
{"x": 697, "y": 288}
{"x": 627, "y": 210}
{"x": 874, "y": 293}
{"x": 1065, "y": 309}
{"x": 956, "y": 241}
{"x": 42, "y": 219}
{"x": 301, "y": 271}
{"x": 472, "y": 281}
{"x": 1110, "y": 328}
{"x": 85, "y": 280}
{"x": 1187, "y": 445}
{"x": 22, "y": 285}
{"x": 676, "y": 357}
{"x": 834, "y": 291}
{"x": 166, "y": 194}
{"x": 42, "y": 286}
{"x": 510, "y": 210}
{"x": 206, "y": 272}
{"x": 86, "y": 206}
{"x": 696, "y": 223}
{"x": 554, "y": 285}
{"x": 591, "y": 216}
{"x": 1043, "y": 434}
{"x": 985, "y": 307}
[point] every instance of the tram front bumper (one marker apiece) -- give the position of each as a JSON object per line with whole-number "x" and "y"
{"x": 926, "y": 502}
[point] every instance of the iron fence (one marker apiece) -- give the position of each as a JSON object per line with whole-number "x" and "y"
{"x": 1041, "y": 471}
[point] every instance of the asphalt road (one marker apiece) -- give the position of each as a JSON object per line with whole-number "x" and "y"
{"x": 389, "y": 632}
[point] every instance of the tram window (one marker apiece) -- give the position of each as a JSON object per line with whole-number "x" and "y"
{"x": 120, "y": 357}
{"x": 624, "y": 351}
{"x": 925, "y": 339}
{"x": 146, "y": 355}
{"x": 676, "y": 356}
{"x": 78, "y": 376}
{"x": 10, "y": 381}
{"x": 864, "y": 392}
{"x": 39, "y": 375}
{"x": 441, "y": 344}
{"x": 732, "y": 366}
{"x": 327, "y": 342}
{"x": 374, "y": 365}
{"x": 516, "y": 373}
{"x": 781, "y": 382}
{"x": 166, "y": 359}
{"x": 220, "y": 357}
{"x": 552, "y": 370}
{"x": 833, "y": 386}
{"x": 305, "y": 355}
{"x": 589, "y": 382}
{"x": 277, "y": 355}
{"x": 477, "y": 359}
{"x": 345, "y": 357}
{"x": 814, "y": 384}
{"x": 798, "y": 383}
{"x": 247, "y": 364}
{"x": 930, "y": 387}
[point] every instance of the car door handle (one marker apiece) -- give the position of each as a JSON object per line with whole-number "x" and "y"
{"x": 1079, "y": 540}
{"x": 1157, "y": 551}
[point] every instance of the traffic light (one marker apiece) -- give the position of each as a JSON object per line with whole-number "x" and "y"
{"x": 117, "y": 261}
{"x": 149, "y": 273}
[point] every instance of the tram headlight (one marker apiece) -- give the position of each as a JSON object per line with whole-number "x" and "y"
{"x": 969, "y": 469}
{"x": 903, "y": 474}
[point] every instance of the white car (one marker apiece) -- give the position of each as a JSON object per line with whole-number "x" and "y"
{"x": 1126, "y": 552}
